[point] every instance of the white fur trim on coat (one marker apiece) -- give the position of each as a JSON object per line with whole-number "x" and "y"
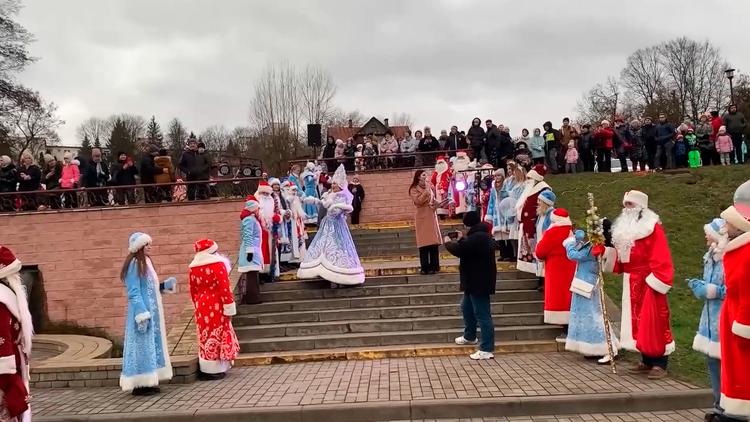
{"x": 556, "y": 317}
{"x": 143, "y": 316}
{"x": 735, "y": 407}
{"x": 712, "y": 291}
{"x": 139, "y": 243}
{"x": 11, "y": 268}
{"x": 657, "y": 284}
{"x": 741, "y": 330}
{"x": 733, "y": 217}
{"x": 534, "y": 175}
{"x": 636, "y": 197}
{"x": 609, "y": 259}
{"x": 204, "y": 258}
{"x": 626, "y": 322}
{"x": 15, "y": 299}
{"x": 8, "y": 364}
{"x": 213, "y": 366}
{"x": 230, "y": 309}
{"x": 738, "y": 242}
{"x": 146, "y": 380}
{"x": 346, "y": 277}
{"x": 589, "y": 349}
{"x": 703, "y": 345}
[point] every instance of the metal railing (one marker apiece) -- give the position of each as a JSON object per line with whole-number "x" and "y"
{"x": 130, "y": 195}
{"x": 382, "y": 162}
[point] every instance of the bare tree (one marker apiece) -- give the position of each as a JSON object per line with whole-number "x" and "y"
{"x": 317, "y": 91}
{"x": 215, "y": 137}
{"x": 695, "y": 71}
{"x": 600, "y": 102}
{"x": 339, "y": 117}
{"x": 33, "y": 123}
{"x": 94, "y": 128}
{"x": 643, "y": 75}
{"x": 14, "y": 54}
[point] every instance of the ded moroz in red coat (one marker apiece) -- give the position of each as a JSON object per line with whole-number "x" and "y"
{"x": 15, "y": 341}
{"x": 558, "y": 269}
{"x": 734, "y": 323}
{"x": 214, "y": 305}
{"x": 641, "y": 254}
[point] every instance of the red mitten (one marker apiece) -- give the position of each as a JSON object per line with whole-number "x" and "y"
{"x": 276, "y": 219}
{"x": 598, "y": 250}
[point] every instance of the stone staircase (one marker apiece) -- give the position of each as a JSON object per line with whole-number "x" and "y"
{"x": 395, "y": 310}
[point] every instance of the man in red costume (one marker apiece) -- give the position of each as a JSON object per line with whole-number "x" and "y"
{"x": 271, "y": 219}
{"x": 734, "y": 323}
{"x": 15, "y": 341}
{"x": 641, "y": 254}
{"x": 213, "y": 300}
{"x": 526, "y": 207}
{"x": 558, "y": 270}
{"x": 441, "y": 180}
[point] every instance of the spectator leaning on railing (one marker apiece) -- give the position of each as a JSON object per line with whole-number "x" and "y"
{"x": 96, "y": 175}
{"x": 70, "y": 178}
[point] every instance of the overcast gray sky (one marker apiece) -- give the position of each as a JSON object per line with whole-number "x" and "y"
{"x": 443, "y": 61}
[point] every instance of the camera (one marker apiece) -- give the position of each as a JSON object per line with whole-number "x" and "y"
{"x": 453, "y": 235}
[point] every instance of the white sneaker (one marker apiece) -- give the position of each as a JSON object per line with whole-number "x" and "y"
{"x": 480, "y": 355}
{"x": 604, "y": 361}
{"x": 562, "y": 338}
{"x": 461, "y": 341}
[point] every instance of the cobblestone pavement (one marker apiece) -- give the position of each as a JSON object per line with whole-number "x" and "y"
{"x": 511, "y": 375}
{"x": 675, "y": 416}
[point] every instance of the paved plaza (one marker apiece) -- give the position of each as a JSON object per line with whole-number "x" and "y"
{"x": 367, "y": 382}
{"x": 667, "y": 416}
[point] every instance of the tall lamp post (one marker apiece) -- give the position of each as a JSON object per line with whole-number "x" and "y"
{"x": 730, "y": 76}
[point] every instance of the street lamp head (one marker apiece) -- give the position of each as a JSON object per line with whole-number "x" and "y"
{"x": 729, "y": 73}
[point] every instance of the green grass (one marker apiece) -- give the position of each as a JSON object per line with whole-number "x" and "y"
{"x": 685, "y": 203}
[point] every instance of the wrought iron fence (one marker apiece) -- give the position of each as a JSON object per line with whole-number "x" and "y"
{"x": 130, "y": 195}
{"x": 382, "y": 162}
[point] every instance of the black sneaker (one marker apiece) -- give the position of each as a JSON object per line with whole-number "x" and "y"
{"x": 202, "y": 376}
{"x": 146, "y": 391}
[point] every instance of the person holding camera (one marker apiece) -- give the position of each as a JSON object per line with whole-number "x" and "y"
{"x": 478, "y": 274}
{"x": 426, "y": 225}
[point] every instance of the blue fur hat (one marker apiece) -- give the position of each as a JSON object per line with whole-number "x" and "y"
{"x": 548, "y": 197}
{"x": 137, "y": 241}
{"x": 716, "y": 229}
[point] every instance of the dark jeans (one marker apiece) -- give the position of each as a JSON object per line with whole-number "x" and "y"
{"x": 355, "y": 215}
{"x": 477, "y": 153}
{"x": 623, "y": 157}
{"x": 651, "y": 159}
{"x": 737, "y": 156}
{"x": 429, "y": 258}
{"x": 665, "y": 156}
{"x": 197, "y": 191}
{"x": 714, "y": 373}
{"x": 707, "y": 156}
{"x": 661, "y": 361}
{"x": 604, "y": 160}
{"x": 587, "y": 160}
{"x": 122, "y": 195}
{"x": 552, "y": 159}
{"x": 477, "y": 309}
{"x": 508, "y": 248}
{"x": 98, "y": 198}
{"x": 249, "y": 289}
{"x": 70, "y": 199}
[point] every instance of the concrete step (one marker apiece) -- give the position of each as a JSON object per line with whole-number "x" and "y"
{"x": 378, "y": 301}
{"x": 330, "y": 341}
{"x": 384, "y": 290}
{"x": 375, "y": 326}
{"x": 393, "y": 351}
{"x": 393, "y": 312}
{"x": 509, "y": 280}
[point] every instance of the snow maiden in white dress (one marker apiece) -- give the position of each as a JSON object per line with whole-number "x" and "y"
{"x": 332, "y": 254}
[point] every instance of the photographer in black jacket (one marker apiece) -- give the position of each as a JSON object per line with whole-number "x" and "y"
{"x": 478, "y": 273}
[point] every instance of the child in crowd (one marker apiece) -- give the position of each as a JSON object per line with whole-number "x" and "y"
{"x": 571, "y": 158}
{"x": 522, "y": 154}
{"x": 694, "y": 154}
{"x": 680, "y": 151}
{"x": 724, "y": 146}
{"x": 359, "y": 161}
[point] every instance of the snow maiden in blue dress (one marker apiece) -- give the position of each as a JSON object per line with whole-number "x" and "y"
{"x": 586, "y": 328}
{"x": 145, "y": 356}
{"x": 711, "y": 289}
{"x": 310, "y": 180}
{"x": 332, "y": 254}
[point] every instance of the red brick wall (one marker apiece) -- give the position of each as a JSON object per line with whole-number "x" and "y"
{"x": 387, "y": 197}
{"x": 80, "y": 254}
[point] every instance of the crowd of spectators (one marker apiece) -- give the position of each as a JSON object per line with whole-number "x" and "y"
{"x": 637, "y": 143}
{"x": 55, "y": 184}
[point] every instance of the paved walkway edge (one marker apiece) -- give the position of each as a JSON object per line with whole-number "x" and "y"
{"x": 427, "y": 409}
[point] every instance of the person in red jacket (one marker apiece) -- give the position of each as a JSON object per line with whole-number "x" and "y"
{"x": 716, "y": 124}
{"x": 15, "y": 341}
{"x": 526, "y": 213}
{"x": 558, "y": 270}
{"x": 604, "y": 141}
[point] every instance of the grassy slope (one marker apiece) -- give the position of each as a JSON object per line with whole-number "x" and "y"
{"x": 685, "y": 203}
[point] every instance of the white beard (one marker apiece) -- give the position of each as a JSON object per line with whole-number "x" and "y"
{"x": 267, "y": 205}
{"x": 632, "y": 224}
{"x": 441, "y": 167}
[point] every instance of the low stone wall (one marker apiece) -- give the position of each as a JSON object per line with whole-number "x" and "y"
{"x": 387, "y": 196}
